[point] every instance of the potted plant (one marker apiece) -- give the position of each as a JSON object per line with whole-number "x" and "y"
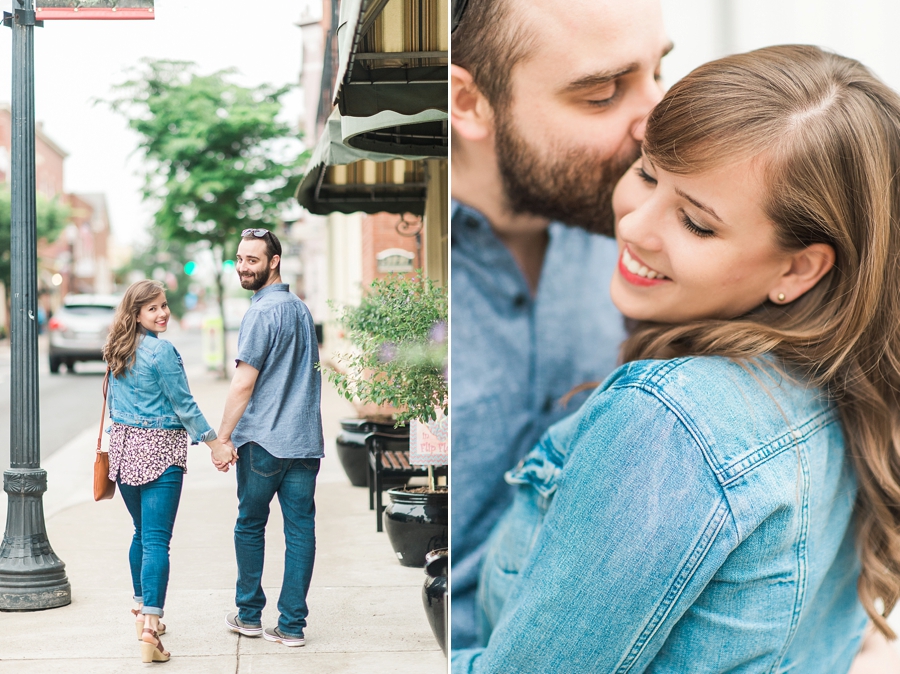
{"x": 399, "y": 356}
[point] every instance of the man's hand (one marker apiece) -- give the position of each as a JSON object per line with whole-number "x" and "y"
{"x": 223, "y": 454}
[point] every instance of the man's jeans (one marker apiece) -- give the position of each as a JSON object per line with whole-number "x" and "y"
{"x": 259, "y": 477}
{"x": 153, "y": 507}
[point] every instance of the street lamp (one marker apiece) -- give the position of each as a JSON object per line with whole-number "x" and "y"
{"x": 31, "y": 576}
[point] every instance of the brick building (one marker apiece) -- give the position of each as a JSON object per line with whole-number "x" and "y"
{"x": 390, "y": 244}
{"x": 48, "y": 157}
{"x": 78, "y": 260}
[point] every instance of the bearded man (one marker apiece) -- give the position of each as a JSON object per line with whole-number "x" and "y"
{"x": 273, "y": 418}
{"x": 548, "y": 107}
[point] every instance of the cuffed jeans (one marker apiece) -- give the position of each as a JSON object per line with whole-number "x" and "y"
{"x": 259, "y": 477}
{"x": 153, "y": 507}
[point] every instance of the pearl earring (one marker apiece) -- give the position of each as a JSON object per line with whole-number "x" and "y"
{"x": 781, "y": 297}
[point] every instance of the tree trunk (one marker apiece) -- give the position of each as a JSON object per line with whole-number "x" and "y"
{"x": 220, "y": 299}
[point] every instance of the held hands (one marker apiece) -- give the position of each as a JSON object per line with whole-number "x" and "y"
{"x": 223, "y": 453}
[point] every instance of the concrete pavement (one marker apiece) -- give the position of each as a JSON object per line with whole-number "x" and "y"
{"x": 366, "y": 613}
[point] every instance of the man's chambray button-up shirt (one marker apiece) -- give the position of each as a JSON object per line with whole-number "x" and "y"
{"x": 278, "y": 338}
{"x": 513, "y": 356}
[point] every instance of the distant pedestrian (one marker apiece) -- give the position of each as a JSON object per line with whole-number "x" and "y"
{"x": 272, "y": 416}
{"x": 153, "y": 414}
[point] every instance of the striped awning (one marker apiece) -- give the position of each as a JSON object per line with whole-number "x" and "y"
{"x": 393, "y": 55}
{"x": 346, "y": 179}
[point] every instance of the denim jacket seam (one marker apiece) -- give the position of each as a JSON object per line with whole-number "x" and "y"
{"x": 652, "y": 384}
{"x": 698, "y": 553}
{"x": 686, "y": 419}
{"x": 772, "y": 449}
{"x": 662, "y": 370}
{"x": 802, "y": 566}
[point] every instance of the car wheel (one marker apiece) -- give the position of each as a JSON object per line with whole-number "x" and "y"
{"x": 55, "y": 362}
{"x": 70, "y": 366}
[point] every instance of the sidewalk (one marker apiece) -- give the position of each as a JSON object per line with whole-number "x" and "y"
{"x": 366, "y": 613}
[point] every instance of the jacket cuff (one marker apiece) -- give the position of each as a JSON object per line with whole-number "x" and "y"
{"x": 209, "y": 435}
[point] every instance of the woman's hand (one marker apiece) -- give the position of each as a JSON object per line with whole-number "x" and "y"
{"x": 223, "y": 454}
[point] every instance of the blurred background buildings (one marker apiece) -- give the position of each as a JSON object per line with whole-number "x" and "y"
{"x": 703, "y": 30}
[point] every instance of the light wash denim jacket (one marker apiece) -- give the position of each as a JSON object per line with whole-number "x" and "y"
{"x": 154, "y": 393}
{"x": 693, "y": 516}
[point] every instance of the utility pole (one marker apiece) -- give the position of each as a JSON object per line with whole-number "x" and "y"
{"x": 32, "y": 577}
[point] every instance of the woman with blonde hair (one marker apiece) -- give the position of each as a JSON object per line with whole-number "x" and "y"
{"x": 153, "y": 414}
{"x": 729, "y": 499}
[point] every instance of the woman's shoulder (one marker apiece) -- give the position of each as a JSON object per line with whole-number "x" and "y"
{"x": 715, "y": 383}
{"x": 157, "y": 348}
{"x": 735, "y": 412}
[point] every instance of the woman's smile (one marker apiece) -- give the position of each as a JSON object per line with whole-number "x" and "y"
{"x": 633, "y": 270}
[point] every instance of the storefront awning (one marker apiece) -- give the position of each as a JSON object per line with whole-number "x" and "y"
{"x": 346, "y": 179}
{"x": 392, "y": 56}
{"x": 422, "y": 135}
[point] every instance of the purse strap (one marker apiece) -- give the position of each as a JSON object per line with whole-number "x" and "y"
{"x": 103, "y": 413}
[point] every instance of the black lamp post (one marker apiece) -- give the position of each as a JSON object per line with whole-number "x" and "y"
{"x": 31, "y": 576}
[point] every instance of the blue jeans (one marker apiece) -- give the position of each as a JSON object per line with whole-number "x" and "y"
{"x": 153, "y": 507}
{"x": 259, "y": 477}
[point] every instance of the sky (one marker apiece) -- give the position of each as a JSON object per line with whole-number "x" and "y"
{"x": 77, "y": 62}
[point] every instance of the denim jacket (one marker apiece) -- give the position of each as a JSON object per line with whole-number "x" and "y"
{"x": 694, "y": 516}
{"x": 154, "y": 393}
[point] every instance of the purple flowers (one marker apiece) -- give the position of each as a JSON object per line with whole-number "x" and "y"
{"x": 438, "y": 332}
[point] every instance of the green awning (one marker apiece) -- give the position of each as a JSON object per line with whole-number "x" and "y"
{"x": 392, "y": 56}
{"x": 345, "y": 179}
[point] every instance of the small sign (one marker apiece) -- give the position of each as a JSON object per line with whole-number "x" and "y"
{"x": 394, "y": 260}
{"x": 428, "y": 442}
{"x": 127, "y": 10}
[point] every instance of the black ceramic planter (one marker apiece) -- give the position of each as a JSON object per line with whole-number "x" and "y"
{"x": 351, "y": 446}
{"x": 434, "y": 595}
{"x": 416, "y": 523}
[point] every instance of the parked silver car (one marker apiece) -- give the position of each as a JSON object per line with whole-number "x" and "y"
{"x": 78, "y": 329}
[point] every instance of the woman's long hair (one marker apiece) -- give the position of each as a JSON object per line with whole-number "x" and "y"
{"x": 125, "y": 333}
{"x": 828, "y": 132}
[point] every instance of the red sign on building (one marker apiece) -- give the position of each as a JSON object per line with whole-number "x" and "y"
{"x": 94, "y": 9}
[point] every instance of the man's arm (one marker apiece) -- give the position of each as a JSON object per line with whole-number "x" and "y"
{"x": 239, "y": 393}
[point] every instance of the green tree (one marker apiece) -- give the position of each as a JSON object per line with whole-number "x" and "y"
{"x": 217, "y": 158}
{"x": 52, "y": 216}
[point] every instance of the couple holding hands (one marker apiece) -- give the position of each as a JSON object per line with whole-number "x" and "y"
{"x": 728, "y": 500}
{"x": 271, "y": 432}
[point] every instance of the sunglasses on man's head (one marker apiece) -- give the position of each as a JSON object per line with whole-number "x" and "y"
{"x": 259, "y": 233}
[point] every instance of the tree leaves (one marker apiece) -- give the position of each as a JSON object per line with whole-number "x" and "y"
{"x": 399, "y": 331}
{"x": 52, "y": 217}
{"x": 217, "y": 158}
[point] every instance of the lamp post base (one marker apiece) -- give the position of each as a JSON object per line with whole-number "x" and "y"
{"x": 32, "y": 577}
{"x": 36, "y": 600}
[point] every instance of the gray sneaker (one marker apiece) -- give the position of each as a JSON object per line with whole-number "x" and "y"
{"x": 235, "y": 624}
{"x": 274, "y": 634}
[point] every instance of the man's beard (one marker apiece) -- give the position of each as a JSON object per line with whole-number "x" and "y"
{"x": 574, "y": 188}
{"x": 255, "y": 280}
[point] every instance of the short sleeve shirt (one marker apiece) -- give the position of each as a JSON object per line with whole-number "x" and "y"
{"x": 278, "y": 338}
